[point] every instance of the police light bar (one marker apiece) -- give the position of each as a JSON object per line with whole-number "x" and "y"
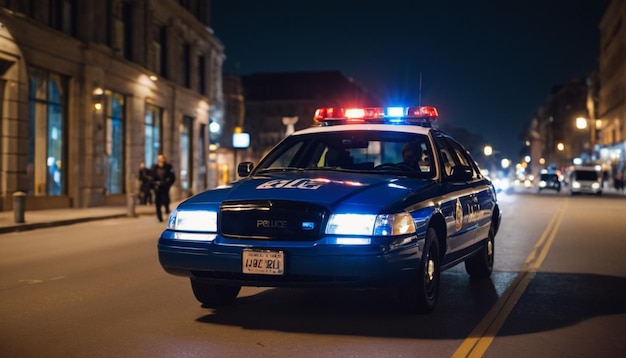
{"x": 423, "y": 115}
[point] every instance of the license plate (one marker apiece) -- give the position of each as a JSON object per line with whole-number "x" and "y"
{"x": 263, "y": 262}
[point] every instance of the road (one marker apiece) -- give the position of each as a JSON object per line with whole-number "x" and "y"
{"x": 96, "y": 289}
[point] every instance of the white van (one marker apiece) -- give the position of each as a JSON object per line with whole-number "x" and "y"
{"x": 586, "y": 180}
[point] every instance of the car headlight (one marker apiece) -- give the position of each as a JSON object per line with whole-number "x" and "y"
{"x": 370, "y": 224}
{"x": 193, "y": 220}
{"x": 576, "y": 185}
{"x": 595, "y": 185}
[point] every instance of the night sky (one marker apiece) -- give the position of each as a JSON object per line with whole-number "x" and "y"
{"x": 486, "y": 65}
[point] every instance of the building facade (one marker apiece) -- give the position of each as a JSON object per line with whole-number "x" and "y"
{"x": 90, "y": 89}
{"x": 611, "y": 112}
{"x": 552, "y": 135}
{"x": 277, "y": 104}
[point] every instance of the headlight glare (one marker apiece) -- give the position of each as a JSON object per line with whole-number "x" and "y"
{"x": 351, "y": 224}
{"x": 370, "y": 224}
{"x": 193, "y": 220}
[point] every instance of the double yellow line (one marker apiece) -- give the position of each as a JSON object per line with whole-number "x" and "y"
{"x": 483, "y": 334}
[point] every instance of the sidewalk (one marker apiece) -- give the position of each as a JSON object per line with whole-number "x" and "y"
{"x": 35, "y": 219}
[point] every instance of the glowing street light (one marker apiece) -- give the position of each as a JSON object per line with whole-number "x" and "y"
{"x": 488, "y": 150}
{"x": 581, "y": 123}
{"x": 560, "y": 146}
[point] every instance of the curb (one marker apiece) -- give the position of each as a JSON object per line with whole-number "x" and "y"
{"x": 49, "y": 224}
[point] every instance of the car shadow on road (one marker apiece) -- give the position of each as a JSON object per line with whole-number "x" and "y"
{"x": 363, "y": 312}
{"x": 552, "y": 301}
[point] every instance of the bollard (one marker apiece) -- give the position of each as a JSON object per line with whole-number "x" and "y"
{"x": 130, "y": 205}
{"x": 19, "y": 206}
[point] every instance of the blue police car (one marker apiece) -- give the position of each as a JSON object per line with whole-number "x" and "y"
{"x": 368, "y": 197}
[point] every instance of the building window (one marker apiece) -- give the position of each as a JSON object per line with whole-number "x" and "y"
{"x": 127, "y": 30}
{"x": 201, "y": 75}
{"x": 62, "y": 16}
{"x": 161, "y": 51}
{"x": 186, "y": 53}
{"x": 186, "y": 4}
{"x": 152, "y": 132}
{"x": 114, "y": 134}
{"x": 47, "y": 149}
{"x": 202, "y": 153}
{"x": 202, "y": 12}
{"x": 109, "y": 23}
{"x": 186, "y": 153}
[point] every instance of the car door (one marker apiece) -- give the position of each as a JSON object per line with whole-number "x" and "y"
{"x": 483, "y": 198}
{"x": 459, "y": 202}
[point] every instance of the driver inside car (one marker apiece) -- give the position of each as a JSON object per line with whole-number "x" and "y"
{"x": 412, "y": 156}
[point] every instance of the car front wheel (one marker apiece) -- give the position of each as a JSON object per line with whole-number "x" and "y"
{"x": 421, "y": 293}
{"x": 214, "y": 295}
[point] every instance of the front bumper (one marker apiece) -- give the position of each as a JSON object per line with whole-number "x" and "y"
{"x": 384, "y": 262}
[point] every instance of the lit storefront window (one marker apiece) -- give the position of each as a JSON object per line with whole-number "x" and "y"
{"x": 152, "y": 132}
{"x": 186, "y": 153}
{"x": 46, "y": 148}
{"x": 115, "y": 142}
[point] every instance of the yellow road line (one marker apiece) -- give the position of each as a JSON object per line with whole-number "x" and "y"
{"x": 485, "y": 331}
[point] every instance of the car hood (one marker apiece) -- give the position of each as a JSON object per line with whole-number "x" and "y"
{"x": 360, "y": 192}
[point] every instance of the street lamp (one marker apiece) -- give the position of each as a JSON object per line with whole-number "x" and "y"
{"x": 488, "y": 150}
{"x": 582, "y": 124}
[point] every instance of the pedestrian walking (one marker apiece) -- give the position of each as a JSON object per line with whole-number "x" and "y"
{"x": 618, "y": 181}
{"x": 145, "y": 185}
{"x": 163, "y": 177}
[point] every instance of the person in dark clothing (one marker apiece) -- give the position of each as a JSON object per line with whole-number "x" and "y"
{"x": 162, "y": 179}
{"x": 145, "y": 187}
{"x": 411, "y": 156}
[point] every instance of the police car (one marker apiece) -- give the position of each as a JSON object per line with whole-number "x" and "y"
{"x": 368, "y": 197}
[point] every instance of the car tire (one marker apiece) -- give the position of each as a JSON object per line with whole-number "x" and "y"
{"x": 421, "y": 293}
{"x": 214, "y": 295}
{"x": 481, "y": 264}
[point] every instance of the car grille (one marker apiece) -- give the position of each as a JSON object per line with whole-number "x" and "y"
{"x": 272, "y": 220}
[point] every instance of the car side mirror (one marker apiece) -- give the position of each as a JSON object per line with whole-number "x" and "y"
{"x": 460, "y": 173}
{"x": 244, "y": 169}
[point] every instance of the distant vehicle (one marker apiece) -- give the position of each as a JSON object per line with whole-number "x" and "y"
{"x": 585, "y": 180}
{"x": 369, "y": 197}
{"x": 550, "y": 181}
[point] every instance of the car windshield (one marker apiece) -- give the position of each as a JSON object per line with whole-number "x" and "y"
{"x": 549, "y": 177}
{"x": 355, "y": 151}
{"x": 586, "y": 175}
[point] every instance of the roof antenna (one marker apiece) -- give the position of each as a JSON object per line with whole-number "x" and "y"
{"x": 419, "y": 101}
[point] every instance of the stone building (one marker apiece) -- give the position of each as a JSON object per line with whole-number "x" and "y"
{"x": 90, "y": 89}
{"x": 279, "y": 103}
{"x": 553, "y": 136}
{"x": 610, "y": 122}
